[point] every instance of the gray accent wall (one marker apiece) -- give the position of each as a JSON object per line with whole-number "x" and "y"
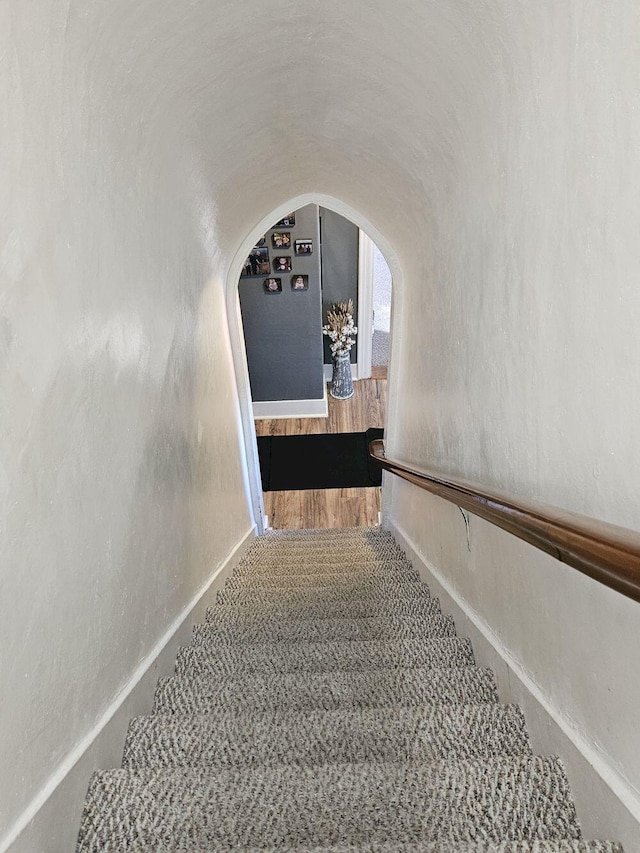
{"x": 340, "y": 246}
{"x": 283, "y": 331}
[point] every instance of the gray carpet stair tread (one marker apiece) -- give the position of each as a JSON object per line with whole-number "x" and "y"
{"x": 361, "y": 532}
{"x": 422, "y": 607}
{"x": 317, "y": 553}
{"x": 538, "y": 846}
{"x": 336, "y": 543}
{"x": 251, "y": 739}
{"x": 391, "y": 573}
{"x": 492, "y": 800}
{"x": 374, "y": 628}
{"x": 313, "y": 609}
{"x": 335, "y": 534}
{"x": 325, "y": 566}
{"x": 326, "y": 705}
{"x": 327, "y": 594}
{"x": 328, "y": 656}
{"x": 332, "y": 548}
{"x": 331, "y": 690}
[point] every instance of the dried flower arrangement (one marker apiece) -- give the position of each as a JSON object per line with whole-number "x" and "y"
{"x": 340, "y": 328}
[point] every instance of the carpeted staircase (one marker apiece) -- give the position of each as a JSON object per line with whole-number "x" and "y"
{"x": 327, "y": 705}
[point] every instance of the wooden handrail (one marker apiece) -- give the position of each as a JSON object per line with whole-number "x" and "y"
{"x": 606, "y": 552}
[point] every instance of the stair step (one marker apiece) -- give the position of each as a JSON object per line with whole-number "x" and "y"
{"x": 308, "y": 563}
{"x": 269, "y": 542}
{"x": 322, "y": 533}
{"x": 318, "y": 630}
{"x": 333, "y": 537}
{"x": 325, "y": 566}
{"x": 358, "y": 608}
{"x": 316, "y": 553}
{"x": 494, "y": 800}
{"x": 538, "y": 846}
{"x": 327, "y": 706}
{"x": 328, "y": 594}
{"x": 328, "y": 690}
{"x": 325, "y": 657}
{"x": 391, "y": 573}
{"x": 250, "y": 739}
{"x": 338, "y": 557}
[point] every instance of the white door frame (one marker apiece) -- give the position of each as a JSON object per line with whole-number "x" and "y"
{"x": 366, "y": 256}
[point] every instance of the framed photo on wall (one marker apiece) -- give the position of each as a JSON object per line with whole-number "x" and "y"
{"x": 304, "y": 247}
{"x": 257, "y": 263}
{"x": 282, "y": 263}
{"x": 281, "y": 239}
{"x": 299, "y": 282}
{"x": 288, "y": 221}
{"x": 272, "y": 285}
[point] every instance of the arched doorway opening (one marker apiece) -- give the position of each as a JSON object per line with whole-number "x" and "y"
{"x": 236, "y": 327}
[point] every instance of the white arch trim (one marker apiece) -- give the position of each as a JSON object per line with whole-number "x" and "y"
{"x": 365, "y": 304}
{"x": 236, "y": 332}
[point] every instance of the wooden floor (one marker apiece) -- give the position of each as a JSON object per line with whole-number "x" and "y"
{"x": 329, "y": 507}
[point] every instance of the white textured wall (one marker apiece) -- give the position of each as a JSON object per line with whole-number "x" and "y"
{"x": 522, "y": 354}
{"x": 493, "y": 149}
{"x": 121, "y": 484}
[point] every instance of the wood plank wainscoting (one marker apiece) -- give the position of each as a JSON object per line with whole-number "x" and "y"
{"x": 329, "y": 507}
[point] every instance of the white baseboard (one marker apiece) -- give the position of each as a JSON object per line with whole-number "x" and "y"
{"x": 608, "y": 807}
{"x": 52, "y": 820}
{"x": 278, "y": 409}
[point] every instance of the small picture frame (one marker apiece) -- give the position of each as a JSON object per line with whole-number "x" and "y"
{"x": 261, "y": 242}
{"x": 281, "y": 239}
{"x": 272, "y": 285}
{"x": 299, "y": 282}
{"x": 282, "y": 263}
{"x": 287, "y": 222}
{"x": 304, "y": 247}
{"x": 257, "y": 263}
